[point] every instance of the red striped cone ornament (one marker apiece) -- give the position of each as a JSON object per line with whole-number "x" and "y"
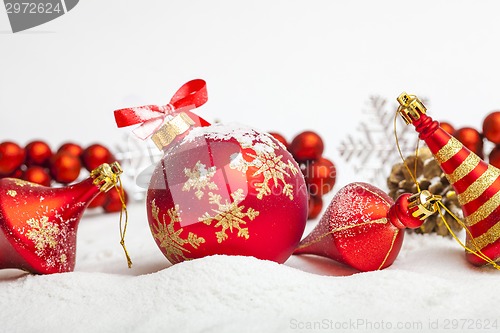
{"x": 476, "y": 182}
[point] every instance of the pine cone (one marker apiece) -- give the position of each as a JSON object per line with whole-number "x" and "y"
{"x": 430, "y": 177}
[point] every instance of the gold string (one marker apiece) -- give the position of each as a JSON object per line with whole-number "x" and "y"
{"x": 123, "y": 227}
{"x": 402, "y": 157}
{"x": 440, "y": 205}
{"x": 477, "y": 253}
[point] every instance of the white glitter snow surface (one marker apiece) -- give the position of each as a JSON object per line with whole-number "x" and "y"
{"x": 282, "y": 65}
{"x": 429, "y": 282}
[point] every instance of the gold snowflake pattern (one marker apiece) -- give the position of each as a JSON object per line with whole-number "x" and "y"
{"x": 22, "y": 183}
{"x": 170, "y": 239}
{"x": 271, "y": 167}
{"x": 43, "y": 233}
{"x": 229, "y": 215}
{"x": 199, "y": 178}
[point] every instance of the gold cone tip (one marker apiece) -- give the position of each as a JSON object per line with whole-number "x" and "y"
{"x": 410, "y": 107}
{"x": 106, "y": 176}
{"x": 425, "y": 203}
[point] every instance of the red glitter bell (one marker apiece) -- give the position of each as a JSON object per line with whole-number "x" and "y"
{"x": 38, "y": 224}
{"x": 362, "y": 226}
{"x": 476, "y": 182}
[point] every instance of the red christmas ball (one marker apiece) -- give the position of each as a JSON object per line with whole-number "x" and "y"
{"x": 315, "y": 206}
{"x": 307, "y": 146}
{"x": 494, "y": 158}
{"x": 11, "y": 157}
{"x": 491, "y": 127}
{"x": 471, "y": 139}
{"x": 65, "y": 168}
{"x": 38, "y": 153}
{"x": 320, "y": 176}
{"x": 38, "y": 175}
{"x": 280, "y": 138}
{"x": 448, "y": 127}
{"x": 95, "y": 155}
{"x": 225, "y": 190}
{"x": 71, "y": 148}
{"x": 112, "y": 202}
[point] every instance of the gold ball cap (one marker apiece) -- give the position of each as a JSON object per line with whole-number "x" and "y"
{"x": 171, "y": 129}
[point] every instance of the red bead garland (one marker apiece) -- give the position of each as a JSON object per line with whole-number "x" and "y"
{"x": 37, "y": 163}
{"x": 319, "y": 172}
{"x": 474, "y": 140}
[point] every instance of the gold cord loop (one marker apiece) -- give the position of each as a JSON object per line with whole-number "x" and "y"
{"x": 105, "y": 177}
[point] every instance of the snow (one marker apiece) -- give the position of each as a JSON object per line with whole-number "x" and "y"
{"x": 430, "y": 281}
{"x": 302, "y": 65}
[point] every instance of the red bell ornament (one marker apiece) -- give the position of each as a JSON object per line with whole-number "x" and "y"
{"x": 362, "y": 226}
{"x": 476, "y": 182}
{"x": 38, "y": 224}
{"x": 220, "y": 189}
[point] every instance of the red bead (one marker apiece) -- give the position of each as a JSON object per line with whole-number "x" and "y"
{"x": 320, "y": 176}
{"x": 71, "y": 148}
{"x": 494, "y": 158}
{"x": 448, "y": 127}
{"x": 38, "y": 153}
{"x": 18, "y": 173}
{"x": 38, "y": 175}
{"x": 491, "y": 127}
{"x": 11, "y": 157}
{"x": 99, "y": 200}
{"x": 280, "y": 138}
{"x": 315, "y": 206}
{"x": 307, "y": 146}
{"x": 95, "y": 155}
{"x": 112, "y": 202}
{"x": 65, "y": 168}
{"x": 471, "y": 139}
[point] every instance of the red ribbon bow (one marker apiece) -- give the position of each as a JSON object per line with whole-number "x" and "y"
{"x": 190, "y": 96}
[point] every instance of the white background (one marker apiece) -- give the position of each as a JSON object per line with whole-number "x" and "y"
{"x": 283, "y": 66}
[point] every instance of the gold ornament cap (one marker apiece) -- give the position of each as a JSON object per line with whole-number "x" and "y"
{"x": 410, "y": 107}
{"x": 171, "y": 129}
{"x": 106, "y": 176}
{"x": 423, "y": 204}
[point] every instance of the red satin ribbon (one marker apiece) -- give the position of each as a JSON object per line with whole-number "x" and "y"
{"x": 190, "y": 96}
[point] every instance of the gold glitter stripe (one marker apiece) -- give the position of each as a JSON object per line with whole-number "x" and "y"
{"x": 479, "y": 186}
{"x": 469, "y": 164}
{"x": 450, "y": 149}
{"x": 375, "y": 194}
{"x": 382, "y": 220}
{"x": 489, "y": 237}
{"x": 484, "y": 211}
{"x": 390, "y": 249}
